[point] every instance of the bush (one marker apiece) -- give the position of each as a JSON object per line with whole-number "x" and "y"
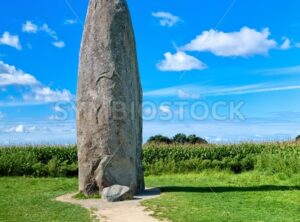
{"x": 159, "y": 139}
{"x": 180, "y": 138}
{"x": 298, "y": 139}
{"x": 193, "y": 139}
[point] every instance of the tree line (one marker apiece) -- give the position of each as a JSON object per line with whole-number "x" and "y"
{"x": 179, "y": 138}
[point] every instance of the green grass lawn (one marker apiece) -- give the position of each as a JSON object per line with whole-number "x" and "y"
{"x": 223, "y": 196}
{"x": 30, "y": 199}
{"x": 210, "y": 196}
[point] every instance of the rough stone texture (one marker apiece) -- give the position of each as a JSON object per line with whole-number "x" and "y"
{"x": 116, "y": 193}
{"x": 109, "y": 98}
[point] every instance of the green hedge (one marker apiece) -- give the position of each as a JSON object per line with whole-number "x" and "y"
{"x": 54, "y": 161}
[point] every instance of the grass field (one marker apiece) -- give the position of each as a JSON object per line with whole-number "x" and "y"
{"x": 242, "y": 182}
{"x": 208, "y": 196}
{"x": 32, "y": 200}
{"x": 222, "y": 196}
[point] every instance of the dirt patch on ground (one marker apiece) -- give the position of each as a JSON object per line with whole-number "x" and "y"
{"x": 125, "y": 211}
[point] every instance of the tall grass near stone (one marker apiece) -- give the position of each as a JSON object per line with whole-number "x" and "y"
{"x": 267, "y": 157}
{"x": 39, "y": 161}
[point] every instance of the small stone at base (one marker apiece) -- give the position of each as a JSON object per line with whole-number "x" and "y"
{"x": 116, "y": 193}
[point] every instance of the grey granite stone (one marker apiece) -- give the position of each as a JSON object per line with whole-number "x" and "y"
{"x": 109, "y": 100}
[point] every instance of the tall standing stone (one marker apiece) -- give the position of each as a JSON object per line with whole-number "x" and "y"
{"x": 109, "y": 98}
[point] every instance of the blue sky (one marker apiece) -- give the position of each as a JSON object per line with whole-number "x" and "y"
{"x": 203, "y": 55}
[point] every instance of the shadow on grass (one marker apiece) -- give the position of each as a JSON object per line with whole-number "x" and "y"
{"x": 228, "y": 189}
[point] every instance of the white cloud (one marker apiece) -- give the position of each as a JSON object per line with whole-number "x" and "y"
{"x": 186, "y": 95}
{"x": 47, "y": 95}
{"x": 280, "y": 71}
{"x": 246, "y": 42}
{"x": 165, "y": 109}
{"x": 260, "y": 89}
{"x": 286, "y": 44}
{"x": 32, "y": 128}
{"x": 49, "y": 31}
{"x": 166, "y": 18}
{"x": 16, "y": 129}
{"x": 213, "y": 91}
{"x": 39, "y": 132}
{"x": 171, "y": 91}
{"x": 59, "y": 44}
{"x": 10, "y": 40}
{"x": 180, "y": 61}
{"x": 33, "y": 92}
{"x": 16, "y": 79}
{"x": 70, "y": 22}
{"x": 9, "y": 75}
{"x": 20, "y": 129}
{"x": 30, "y": 27}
